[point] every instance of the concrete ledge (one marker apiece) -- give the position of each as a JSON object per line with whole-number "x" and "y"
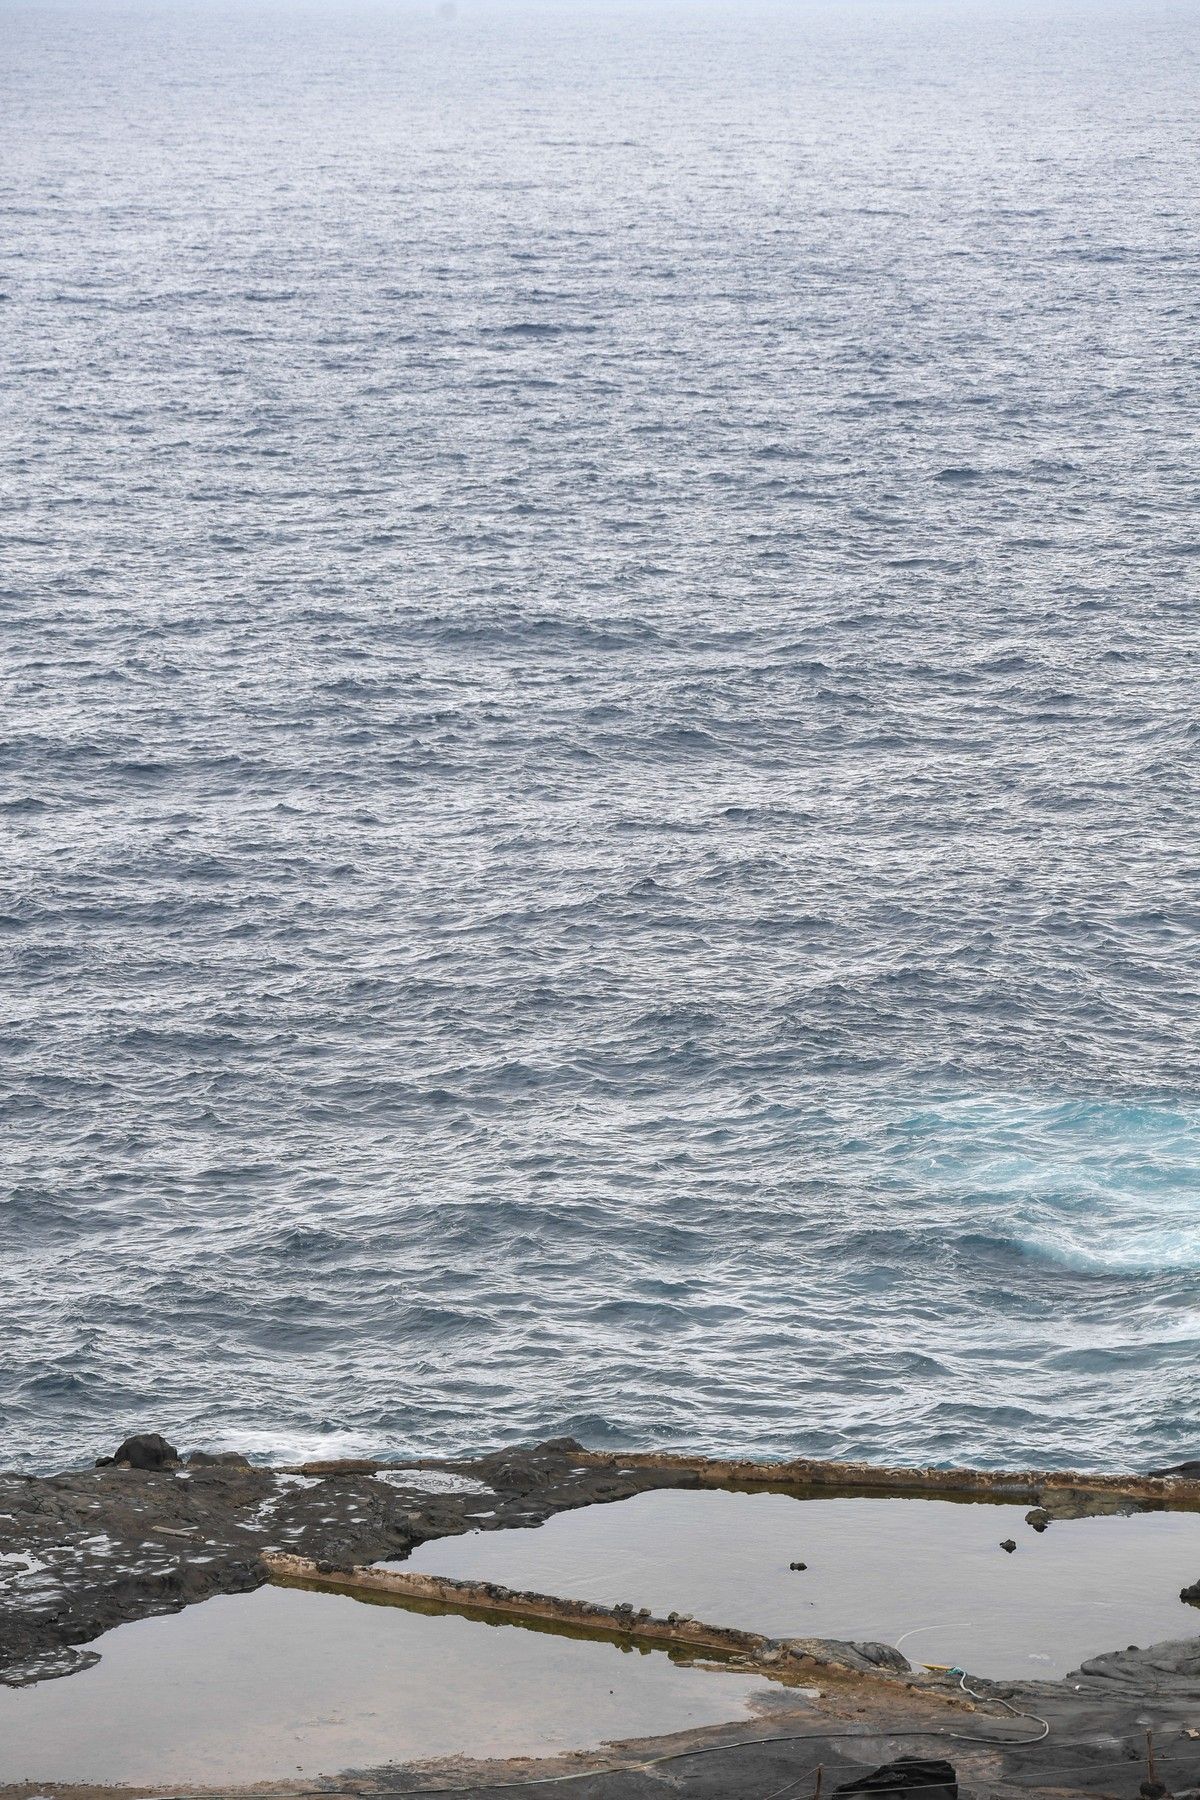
{"x": 992, "y": 1484}
{"x": 780, "y": 1659}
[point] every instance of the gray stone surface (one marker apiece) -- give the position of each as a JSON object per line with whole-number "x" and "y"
{"x": 82, "y": 1552}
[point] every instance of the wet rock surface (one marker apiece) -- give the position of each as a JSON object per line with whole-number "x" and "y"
{"x": 1161, "y": 1669}
{"x": 85, "y": 1551}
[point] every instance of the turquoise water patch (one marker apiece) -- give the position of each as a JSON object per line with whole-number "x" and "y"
{"x": 1092, "y": 1186}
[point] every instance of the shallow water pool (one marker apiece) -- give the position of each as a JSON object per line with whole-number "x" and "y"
{"x": 284, "y": 1682}
{"x": 926, "y": 1575}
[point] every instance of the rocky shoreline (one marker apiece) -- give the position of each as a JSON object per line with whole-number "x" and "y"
{"x": 149, "y": 1532}
{"x": 89, "y": 1549}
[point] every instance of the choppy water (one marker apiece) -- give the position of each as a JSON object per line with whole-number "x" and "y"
{"x": 600, "y": 726}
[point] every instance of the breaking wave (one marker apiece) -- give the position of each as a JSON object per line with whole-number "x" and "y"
{"x": 1091, "y": 1186}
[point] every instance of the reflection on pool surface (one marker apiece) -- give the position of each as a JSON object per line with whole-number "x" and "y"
{"x": 263, "y": 1686}
{"x": 927, "y": 1575}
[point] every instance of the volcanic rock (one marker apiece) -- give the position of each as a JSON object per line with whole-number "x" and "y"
{"x": 147, "y": 1450}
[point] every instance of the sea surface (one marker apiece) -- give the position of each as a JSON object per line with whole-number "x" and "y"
{"x": 599, "y": 727}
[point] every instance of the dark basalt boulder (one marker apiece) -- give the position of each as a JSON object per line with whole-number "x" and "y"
{"x": 147, "y": 1450}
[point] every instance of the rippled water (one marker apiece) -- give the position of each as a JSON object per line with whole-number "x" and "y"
{"x": 599, "y": 726}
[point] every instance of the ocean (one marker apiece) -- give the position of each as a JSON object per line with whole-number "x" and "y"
{"x": 599, "y": 727}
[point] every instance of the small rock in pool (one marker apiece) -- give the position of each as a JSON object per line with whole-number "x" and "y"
{"x": 797, "y": 1565}
{"x": 1038, "y": 1517}
{"x": 1008, "y": 1544}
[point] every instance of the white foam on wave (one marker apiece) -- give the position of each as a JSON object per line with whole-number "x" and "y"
{"x": 1115, "y": 1252}
{"x": 1095, "y": 1186}
{"x": 297, "y": 1446}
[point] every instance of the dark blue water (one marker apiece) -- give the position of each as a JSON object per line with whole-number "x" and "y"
{"x": 599, "y": 727}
